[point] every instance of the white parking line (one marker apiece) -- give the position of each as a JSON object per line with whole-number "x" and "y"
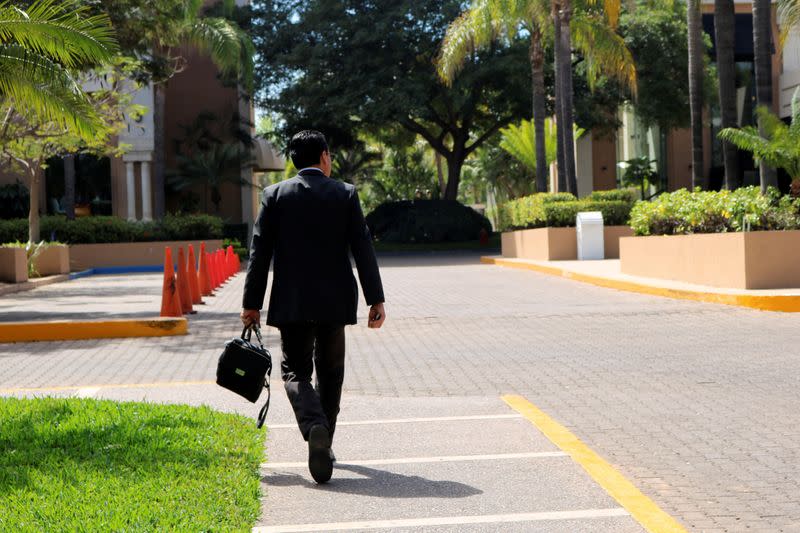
{"x": 87, "y": 392}
{"x": 407, "y": 420}
{"x": 435, "y": 459}
{"x": 445, "y": 521}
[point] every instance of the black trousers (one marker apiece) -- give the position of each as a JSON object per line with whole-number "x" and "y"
{"x": 307, "y": 347}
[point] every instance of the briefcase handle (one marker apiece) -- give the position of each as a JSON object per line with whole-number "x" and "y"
{"x": 247, "y": 334}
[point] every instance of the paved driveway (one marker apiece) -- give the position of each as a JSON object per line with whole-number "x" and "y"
{"x": 697, "y": 404}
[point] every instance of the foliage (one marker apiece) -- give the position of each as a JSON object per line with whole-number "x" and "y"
{"x": 96, "y": 465}
{"x": 519, "y": 140}
{"x": 559, "y": 209}
{"x": 684, "y": 212}
{"x": 406, "y": 174}
{"x": 428, "y": 221}
{"x": 639, "y": 172}
{"x": 345, "y": 88}
{"x": 14, "y": 200}
{"x": 508, "y": 177}
{"x": 780, "y": 145}
{"x": 44, "y": 46}
{"x": 87, "y": 230}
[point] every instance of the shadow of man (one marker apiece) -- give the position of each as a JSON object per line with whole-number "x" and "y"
{"x": 377, "y": 483}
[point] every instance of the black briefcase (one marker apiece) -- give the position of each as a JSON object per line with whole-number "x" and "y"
{"x": 245, "y": 368}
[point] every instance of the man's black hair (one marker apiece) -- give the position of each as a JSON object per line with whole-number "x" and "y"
{"x": 306, "y": 148}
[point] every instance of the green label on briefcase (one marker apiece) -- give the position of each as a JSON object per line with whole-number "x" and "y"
{"x": 240, "y": 371}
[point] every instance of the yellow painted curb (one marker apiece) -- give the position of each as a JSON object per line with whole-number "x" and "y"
{"x": 786, "y": 304}
{"x": 641, "y": 508}
{"x": 91, "y": 329}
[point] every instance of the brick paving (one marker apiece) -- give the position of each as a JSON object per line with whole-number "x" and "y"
{"x": 696, "y": 403}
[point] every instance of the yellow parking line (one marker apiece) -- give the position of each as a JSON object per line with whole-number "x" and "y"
{"x": 107, "y": 386}
{"x": 642, "y": 508}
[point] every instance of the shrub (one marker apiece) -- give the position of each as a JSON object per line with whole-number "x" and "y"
{"x": 563, "y": 214}
{"x": 684, "y": 212}
{"x": 426, "y": 221}
{"x": 560, "y": 209}
{"x": 88, "y": 230}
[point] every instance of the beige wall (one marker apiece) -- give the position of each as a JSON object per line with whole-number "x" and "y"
{"x": 85, "y": 256}
{"x": 556, "y": 244}
{"x": 753, "y": 260}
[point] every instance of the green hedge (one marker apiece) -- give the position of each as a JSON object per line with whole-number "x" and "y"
{"x": 560, "y": 209}
{"x": 106, "y": 229}
{"x": 426, "y": 221}
{"x": 683, "y": 212}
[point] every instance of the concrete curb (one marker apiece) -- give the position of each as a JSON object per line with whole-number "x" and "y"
{"x": 91, "y": 329}
{"x": 785, "y": 304}
{"x": 12, "y": 288}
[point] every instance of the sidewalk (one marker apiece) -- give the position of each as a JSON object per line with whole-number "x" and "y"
{"x": 607, "y": 273}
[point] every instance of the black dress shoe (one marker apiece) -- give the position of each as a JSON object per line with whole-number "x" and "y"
{"x": 320, "y": 463}
{"x": 333, "y": 457}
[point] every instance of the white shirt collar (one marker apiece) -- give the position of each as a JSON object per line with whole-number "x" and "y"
{"x": 310, "y": 168}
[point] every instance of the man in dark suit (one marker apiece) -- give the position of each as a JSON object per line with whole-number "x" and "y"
{"x": 307, "y": 225}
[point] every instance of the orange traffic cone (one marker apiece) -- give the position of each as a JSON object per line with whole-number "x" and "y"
{"x": 231, "y": 261}
{"x": 204, "y": 274}
{"x": 194, "y": 284}
{"x": 170, "y": 298}
{"x": 223, "y": 276}
{"x": 212, "y": 261}
{"x": 183, "y": 284}
{"x": 228, "y": 269}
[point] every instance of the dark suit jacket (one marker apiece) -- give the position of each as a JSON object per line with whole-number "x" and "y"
{"x": 307, "y": 225}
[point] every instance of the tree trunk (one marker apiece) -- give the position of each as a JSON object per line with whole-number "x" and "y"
{"x": 562, "y": 184}
{"x": 762, "y": 30}
{"x": 455, "y": 161}
{"x": 33, "y": 212}
{"x": 724, "y": 27}
{"x": 439, "y": 174}
{"x": 565, "y": 64}
{"x": 537, "y": 85}
{"x": 69, "y": 186}
{"x": 695, "y": 45}
{"x": 159, "y": 168}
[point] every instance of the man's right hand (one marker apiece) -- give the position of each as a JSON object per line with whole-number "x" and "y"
{"x": 377, "y": 315}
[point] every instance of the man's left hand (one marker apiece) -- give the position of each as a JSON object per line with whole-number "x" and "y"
{"x": 250, "y": 317}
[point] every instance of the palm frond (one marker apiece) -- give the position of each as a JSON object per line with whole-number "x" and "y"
{"x": 788, "y": 18}
{"x": 224, "y": 43}
{"x": 59, "y": 30}
{"x": 44, "y": 89}
{"x": 604, "y": 49}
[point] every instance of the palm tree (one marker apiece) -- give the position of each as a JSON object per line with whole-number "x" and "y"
{"x": 230, "y": 49}
{"x": 696, "y": 55}
{"x": 772, "y": 143}
{"x": 489, "y": 20}
{"x": 724, "y": 28}
{"x": 41, "y": 49}
{"x": 518, "y": 141}
{"x": 762, "y": 44}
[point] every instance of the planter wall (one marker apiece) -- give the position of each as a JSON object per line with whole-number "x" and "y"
{"x": 125, "y": 254}
{"x": 13, "y": 265}
{"x": 556, "y": 244}
{"x": 752, "y": 260}
{"x": 54, "y": 259}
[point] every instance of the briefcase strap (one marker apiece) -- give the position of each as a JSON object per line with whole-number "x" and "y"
{"x": 262, "y": 414}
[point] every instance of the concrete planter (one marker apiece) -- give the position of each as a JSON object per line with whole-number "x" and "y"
{"x": 752, "y": 260}
{"x": 13, "y": 264}
{"x": 52, "y": 260}
{"x": 556, "y": 244}
{"x": 126, "y": 254}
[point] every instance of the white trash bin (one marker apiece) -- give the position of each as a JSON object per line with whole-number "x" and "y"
{"x": 589, "y": 229}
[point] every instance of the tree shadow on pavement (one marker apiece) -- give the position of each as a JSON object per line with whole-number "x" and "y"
{"x": 378, "y": 483}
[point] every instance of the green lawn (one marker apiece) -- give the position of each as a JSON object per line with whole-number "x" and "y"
{"x": 95, "y": 465}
